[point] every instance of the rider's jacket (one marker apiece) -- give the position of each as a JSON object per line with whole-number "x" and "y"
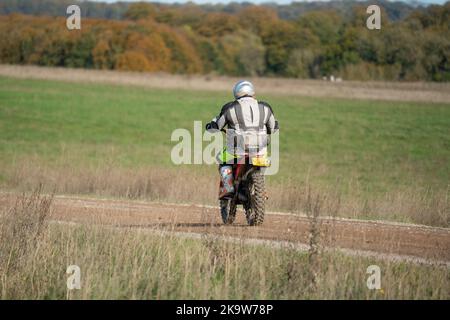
{"x": 248, "y": 119}
{"x": 246, "y": 115}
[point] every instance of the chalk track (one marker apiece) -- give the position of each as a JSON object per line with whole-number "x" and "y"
{"x": 400, "y": 241}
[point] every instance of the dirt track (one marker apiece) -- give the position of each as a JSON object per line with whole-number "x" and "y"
{"x": 384, "y": 238}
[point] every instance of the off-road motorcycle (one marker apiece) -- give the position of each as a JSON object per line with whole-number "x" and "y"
{"x": 249, "y": 189}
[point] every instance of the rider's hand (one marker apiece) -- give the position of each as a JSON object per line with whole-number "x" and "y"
{"x": 212, "y": 126}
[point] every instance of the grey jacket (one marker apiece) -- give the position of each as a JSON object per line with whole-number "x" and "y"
{"x": 245, "y": 115}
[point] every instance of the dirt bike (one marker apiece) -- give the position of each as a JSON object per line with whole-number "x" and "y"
{"x": 249, "y": 186}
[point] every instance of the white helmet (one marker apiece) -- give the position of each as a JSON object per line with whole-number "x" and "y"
{"x": 243, "y": 88}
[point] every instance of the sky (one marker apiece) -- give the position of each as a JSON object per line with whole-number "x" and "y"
{"x": 253, "y": 1}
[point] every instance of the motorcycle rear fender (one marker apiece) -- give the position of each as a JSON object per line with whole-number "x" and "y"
{"x": 260, "y": 161}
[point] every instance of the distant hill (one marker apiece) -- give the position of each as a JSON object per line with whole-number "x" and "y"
{"x": 395, "y": 10}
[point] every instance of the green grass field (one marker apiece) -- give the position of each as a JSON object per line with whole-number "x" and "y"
{"x": 377, "y": 148}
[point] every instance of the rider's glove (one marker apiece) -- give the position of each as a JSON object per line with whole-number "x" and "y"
{"x": 212, "y": 126}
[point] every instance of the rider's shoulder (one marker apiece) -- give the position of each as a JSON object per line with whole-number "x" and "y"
{"x": 228, "y": 106}
{"x": 265, "y": 104}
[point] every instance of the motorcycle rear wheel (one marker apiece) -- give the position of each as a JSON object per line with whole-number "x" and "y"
{"x": 255, "y": 209}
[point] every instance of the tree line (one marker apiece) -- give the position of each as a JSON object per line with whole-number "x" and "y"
{"x": 395, "y": 10}
{"x": 250, "y": 40}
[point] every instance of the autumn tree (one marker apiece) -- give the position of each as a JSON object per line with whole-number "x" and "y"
{"x": 243, "y": 54}
{"x": 257, "y": 19}
{"x": 140, "y": 10}
{"x": 217, "y": 25}
{"x": 238, "y": 39}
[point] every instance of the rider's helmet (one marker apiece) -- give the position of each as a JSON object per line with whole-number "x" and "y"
{"x": 243, "y": 88}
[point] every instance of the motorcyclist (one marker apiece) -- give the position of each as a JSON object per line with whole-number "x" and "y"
{"x": 243, "y": 116}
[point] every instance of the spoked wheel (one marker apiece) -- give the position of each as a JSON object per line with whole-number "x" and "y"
{"x": 228, "y": 211}
{"x": 254, "y": 210}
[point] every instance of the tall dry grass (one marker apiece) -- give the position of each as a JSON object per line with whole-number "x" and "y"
{"x": 367, "y": 90}
{"x": 21, "y": 229}
{"x": 414, "y": 204}
{"x": 138, "y": 264}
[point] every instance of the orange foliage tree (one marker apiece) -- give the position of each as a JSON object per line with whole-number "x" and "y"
{"x": 253, "y": 40}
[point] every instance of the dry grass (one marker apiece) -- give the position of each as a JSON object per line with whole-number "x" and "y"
{"x": 395, "y": 91}
{"x": 412, "y": 205}
{"x": 164, "y": 266}
{"x": 21, "y": 229}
